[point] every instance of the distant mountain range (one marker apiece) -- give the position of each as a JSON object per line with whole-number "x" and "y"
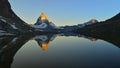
{"x": 11, "y": 24}
{"x": 44, "y": 25}
{"x": 109, "y": 26}
{"x": 78, "y": 26}
{"x": 108, "y": 30}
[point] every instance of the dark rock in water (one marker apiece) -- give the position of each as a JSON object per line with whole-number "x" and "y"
{"x": 13, "y": 23}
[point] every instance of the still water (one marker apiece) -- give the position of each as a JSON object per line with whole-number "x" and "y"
{"x": 61, "y": 51}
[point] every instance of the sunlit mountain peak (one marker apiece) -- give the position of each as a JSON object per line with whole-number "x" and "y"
{"x": 43, "y": 16}
{"x": 93, "y": 20}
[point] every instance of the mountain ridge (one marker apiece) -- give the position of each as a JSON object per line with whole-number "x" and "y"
{"x": 8, "y": 15}
{"x": 111, "y": 25}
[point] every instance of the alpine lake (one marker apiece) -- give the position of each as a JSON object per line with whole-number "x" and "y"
{"x": 58, "y": 51}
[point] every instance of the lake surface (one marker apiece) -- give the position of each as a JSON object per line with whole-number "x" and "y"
{"x": 60, "y": 51}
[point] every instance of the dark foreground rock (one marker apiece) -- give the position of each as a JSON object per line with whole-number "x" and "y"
{"x": 10, "y": 22}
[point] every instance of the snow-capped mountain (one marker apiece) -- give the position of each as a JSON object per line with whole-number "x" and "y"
{"x": 92, "y": 21}
{"x": 44, "y": 23}
{"x": 75, "y": 27}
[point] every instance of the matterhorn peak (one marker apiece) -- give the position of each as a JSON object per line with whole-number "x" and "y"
{"x": 43, "y": 23}
{"x": 43, "y": 16}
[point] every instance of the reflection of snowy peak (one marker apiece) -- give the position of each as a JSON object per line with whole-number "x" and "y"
{"x": 44, "y": 40}
{"x": 43, "y": 23}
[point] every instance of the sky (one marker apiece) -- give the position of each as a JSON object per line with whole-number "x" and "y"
{"x": 65, "y": 12}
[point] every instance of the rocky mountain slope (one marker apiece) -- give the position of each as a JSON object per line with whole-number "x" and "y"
{"x": 10, "y": 22}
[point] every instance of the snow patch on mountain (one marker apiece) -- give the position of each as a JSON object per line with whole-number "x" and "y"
{"x": 92, "y": 21}
{"x": 3, "y": 20}
{"x": 13, "y": 26}
{"x": 1, "y": 31}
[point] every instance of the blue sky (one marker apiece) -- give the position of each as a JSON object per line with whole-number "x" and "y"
{"x": 65, "y": 12}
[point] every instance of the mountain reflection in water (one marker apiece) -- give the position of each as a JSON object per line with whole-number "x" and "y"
{"x": 44, "y": 40}
{"x": 10, "y": 45}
